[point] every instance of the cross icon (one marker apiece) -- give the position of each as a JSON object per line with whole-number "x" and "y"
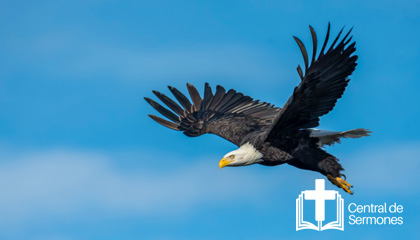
{"x": 319, "y": 195}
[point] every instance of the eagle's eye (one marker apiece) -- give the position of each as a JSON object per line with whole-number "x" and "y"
{"x": 231, "y": 156}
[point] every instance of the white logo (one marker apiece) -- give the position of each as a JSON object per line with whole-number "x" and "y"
{"x": 320, "y": 195}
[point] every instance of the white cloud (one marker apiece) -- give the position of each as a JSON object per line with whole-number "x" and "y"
{"x": 64, "y": 183}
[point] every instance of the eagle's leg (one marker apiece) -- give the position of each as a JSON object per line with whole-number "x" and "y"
{"x": 341, "y": 183}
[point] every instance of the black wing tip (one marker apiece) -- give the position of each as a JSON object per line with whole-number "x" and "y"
{"x": 188, "y": 85}
{"x": 312, "y": 30}
{"x": 149, "y": 100}
{"x": 300, "y": 72}
{"x": 232, "y": 90}
{"x": 303, "y": 51}
{"x": 327, "y": 37}
{"x": 166, "y": 123}
{"x": 195, "y": 96}
{"x": 207, "y": 87}
{"x": 367, "y": 132}
{"x": 335, "y": 40}
{"x": 314, "y": 43}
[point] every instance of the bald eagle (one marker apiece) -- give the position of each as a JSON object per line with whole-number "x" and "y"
{"x": 270, "y": 135}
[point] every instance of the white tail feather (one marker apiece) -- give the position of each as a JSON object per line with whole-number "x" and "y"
{"x": 331, "y": 137}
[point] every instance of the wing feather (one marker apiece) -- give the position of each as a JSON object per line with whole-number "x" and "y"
{"x": 165, "y": 112}
{"x": 171, "y": 104}
{"x": 195, "y": 96}
{"x": 327, "y": 37}
{"x": 314, "y": 42}
{"x": 182, "y": 99}
{"x": 208, "y": 96}
{"x": 229, "y": 115}
{"x": 322, "y": 85}
{"x": 303, "y": 50}
{"x": 218, "y": 96}
{"x": 164, "y": 122}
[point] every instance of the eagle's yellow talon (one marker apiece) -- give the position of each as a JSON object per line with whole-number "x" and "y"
{"x": 341, "y": 183}
{"x": 345, "y": 183}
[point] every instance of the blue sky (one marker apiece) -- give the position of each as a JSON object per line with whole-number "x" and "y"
{"x": 80, "y": 159}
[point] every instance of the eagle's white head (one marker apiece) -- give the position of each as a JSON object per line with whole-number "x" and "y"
{"x": 245, "y": 155}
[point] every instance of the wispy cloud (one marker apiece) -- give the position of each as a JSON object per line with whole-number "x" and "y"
{"x": 68, "y": 183}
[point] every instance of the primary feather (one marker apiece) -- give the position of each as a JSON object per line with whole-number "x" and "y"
{"x": 229, "y": 115}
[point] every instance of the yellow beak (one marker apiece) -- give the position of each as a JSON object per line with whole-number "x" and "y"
{"x": 223, "y": 163}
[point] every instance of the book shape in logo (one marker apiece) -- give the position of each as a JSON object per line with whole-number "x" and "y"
{"x": 319, "y": 195}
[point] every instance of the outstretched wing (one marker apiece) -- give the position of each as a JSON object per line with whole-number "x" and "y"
{"x": 322, "y": 85}
{"x": 229, "y": 115}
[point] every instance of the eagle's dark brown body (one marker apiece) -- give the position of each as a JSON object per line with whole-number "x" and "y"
{"x": 302, "y": 152}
